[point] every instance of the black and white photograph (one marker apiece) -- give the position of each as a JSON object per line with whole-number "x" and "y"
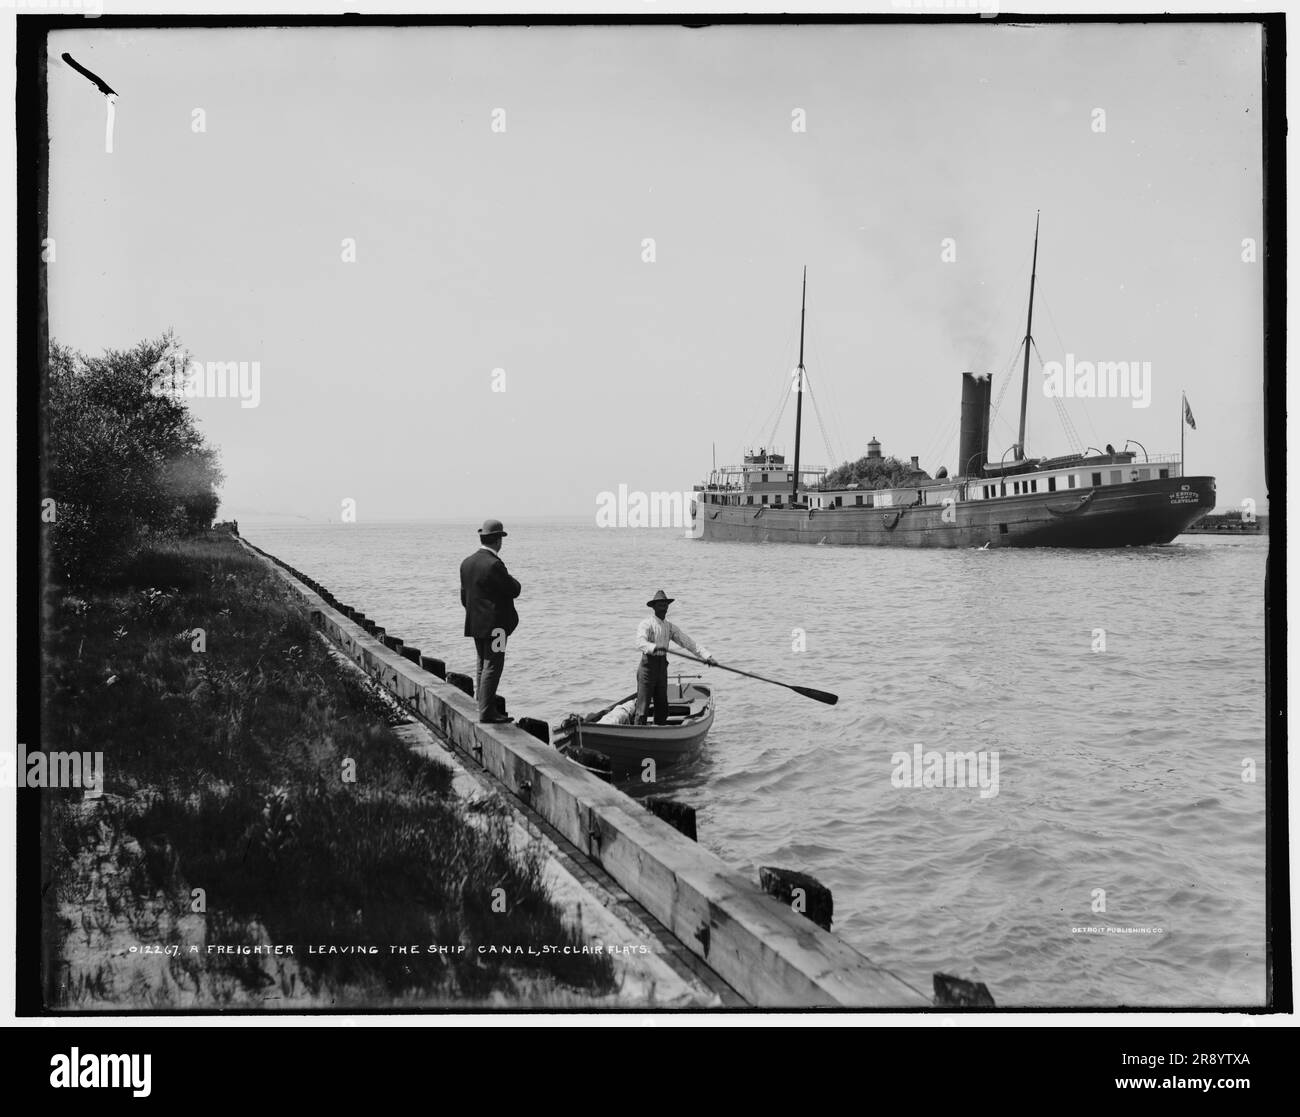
{"x": 650, "y": 515}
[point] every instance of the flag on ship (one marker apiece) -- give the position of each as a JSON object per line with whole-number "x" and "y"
{"x": 1188, "y": 417}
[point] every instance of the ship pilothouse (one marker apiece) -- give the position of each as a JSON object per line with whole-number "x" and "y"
{"x": 763, "y": 479}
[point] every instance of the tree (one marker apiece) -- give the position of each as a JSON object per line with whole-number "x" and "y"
{"x": 122, "y": 456}
{"x": 872, "y": 473}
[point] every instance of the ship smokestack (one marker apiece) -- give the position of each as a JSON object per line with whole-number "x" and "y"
{"x": 976, "y": 399}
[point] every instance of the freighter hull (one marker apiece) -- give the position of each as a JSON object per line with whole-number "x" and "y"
{"x": 1131, "y": 514}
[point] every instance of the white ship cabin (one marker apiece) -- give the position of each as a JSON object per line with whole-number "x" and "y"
{"x": 1028, "y": 478}
{"x": 1077, "y": 473}
{"x": 764, "y": 477}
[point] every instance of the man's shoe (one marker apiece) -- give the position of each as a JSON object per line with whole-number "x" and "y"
{"x": 493, "y": 719}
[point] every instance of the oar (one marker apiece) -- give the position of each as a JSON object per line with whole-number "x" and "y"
{"x": 806, "y": 691}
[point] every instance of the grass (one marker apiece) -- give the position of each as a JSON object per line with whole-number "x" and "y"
{"x": 226, "y": 771}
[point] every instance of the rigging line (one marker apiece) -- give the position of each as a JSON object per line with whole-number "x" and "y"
{"x": 1076, "y": 444}
{"x": 941, "y": 442}
{"x": 1006, "y": 379}
{"x": 778, "y": 410}
{"x": 815, "y": 346}
{"x": 1087, "y": 414}
{"x": 1071, "y": 436}
{"x": 1068, "y": 424}
{"x": 787, "y": 389}
{"x": 1011, "y": 431}
{"x": 821, "y": 427}
{"x": 817, "y": 411}
{"x": 1060, "y": 341}
{"x": 754, "y": 435}
{"x": 951, "y": 443}
{"x": 1047, "y": 306}
{"x": 785, "y": 400}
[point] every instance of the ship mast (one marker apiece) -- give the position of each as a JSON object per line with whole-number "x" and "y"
{"x": 798, "y": 403}
{"x": 1029, "y": 329}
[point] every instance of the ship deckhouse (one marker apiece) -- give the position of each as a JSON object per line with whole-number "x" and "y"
{"x": 764, "y": 477}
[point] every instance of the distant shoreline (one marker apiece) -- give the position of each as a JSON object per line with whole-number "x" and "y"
{"x": 457, "y": 521}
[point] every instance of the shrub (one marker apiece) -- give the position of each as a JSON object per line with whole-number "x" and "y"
{"x": 871, "y": 473}
{"x": 123, "y": 458}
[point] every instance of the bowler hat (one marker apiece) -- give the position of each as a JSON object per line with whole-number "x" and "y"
{"x": 660, "y": 597}
{"x": 492, "y": 527}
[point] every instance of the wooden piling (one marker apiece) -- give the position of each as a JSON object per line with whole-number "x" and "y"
{"x": 804, "y": 894}
{"x": 537, "y": 728}
{"x": 678, "y": 815}
{"x": 434, "y": 666}
{"x": 957, "y": 992}
{"x": 461, "y": 682}
{"x": 413, "y": 654}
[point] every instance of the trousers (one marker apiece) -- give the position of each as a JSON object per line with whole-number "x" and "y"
{"x": 651, "y": 684}
{"x": 488, "y": 674}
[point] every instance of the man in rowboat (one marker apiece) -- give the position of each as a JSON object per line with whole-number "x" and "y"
{"x": 653, "y": 635}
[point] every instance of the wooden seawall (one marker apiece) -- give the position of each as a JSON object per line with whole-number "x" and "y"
{"x": 770, "y": 955}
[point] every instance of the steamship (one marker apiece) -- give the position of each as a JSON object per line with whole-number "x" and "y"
{"x": 1097, "y": 499}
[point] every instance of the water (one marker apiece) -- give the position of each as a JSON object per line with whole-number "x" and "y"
{"x": 1118, "y": 770}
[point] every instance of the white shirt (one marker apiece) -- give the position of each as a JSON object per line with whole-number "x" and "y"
{"x": 653, "y": 634}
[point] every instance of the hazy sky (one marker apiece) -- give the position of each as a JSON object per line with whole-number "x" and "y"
{"x": 522, "y": 250}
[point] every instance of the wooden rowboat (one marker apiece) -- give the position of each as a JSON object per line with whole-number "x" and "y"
{"x": 690, "y": 707}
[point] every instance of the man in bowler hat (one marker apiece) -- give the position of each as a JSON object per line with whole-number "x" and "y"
{"x": 653, "y": 635}
{"x": 488, "y": 593}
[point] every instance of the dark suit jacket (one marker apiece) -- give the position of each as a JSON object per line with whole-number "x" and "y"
{"x": 488, "y": 593}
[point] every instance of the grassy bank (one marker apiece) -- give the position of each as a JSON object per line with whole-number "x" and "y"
{"x": 254, "y": 795}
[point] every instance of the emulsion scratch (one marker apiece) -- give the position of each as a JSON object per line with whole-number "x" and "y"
{"x": 110, "y": 97}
